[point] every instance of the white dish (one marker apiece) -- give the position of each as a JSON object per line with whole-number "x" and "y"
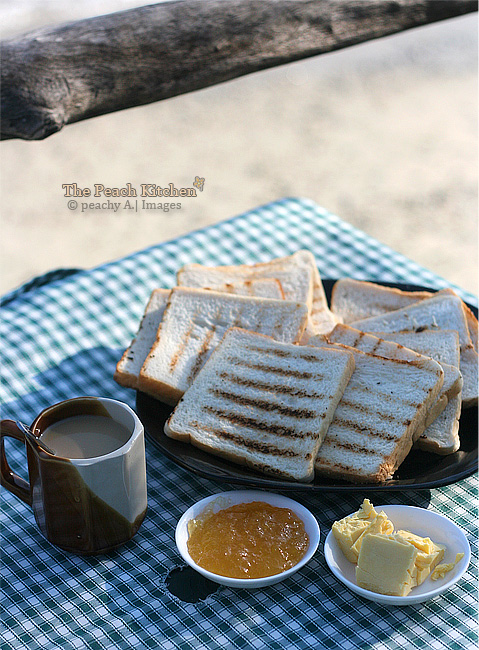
{"x": 225, "y": 500}
{"x": 421, "y": 522}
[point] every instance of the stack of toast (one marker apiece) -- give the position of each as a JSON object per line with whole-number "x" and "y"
{"x": 262, "y": 372}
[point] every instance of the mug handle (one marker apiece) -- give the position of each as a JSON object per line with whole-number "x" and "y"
{"x": 17, "y": 485}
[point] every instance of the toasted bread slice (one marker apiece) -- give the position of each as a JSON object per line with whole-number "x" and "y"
{"x": 354, "y": 300}
{"x": 439, "y": 312}
{"x": 393, "y": 348}
{"x": 294, "y": 273}
{"x": 408, "y": 346}
{"x": 442, "y": 435}
{"x": 433, "y": 344}
{"x": 194, "y": 322}
{"x": 262, "y": 403}
{"x": 129, "y": 366}
{"x": 441, "y": 345}
{"x": 297, "y": 273}
{"x": 377, "y": 417}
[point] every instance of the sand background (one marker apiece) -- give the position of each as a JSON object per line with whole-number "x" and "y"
{"x": 384, "y": 135}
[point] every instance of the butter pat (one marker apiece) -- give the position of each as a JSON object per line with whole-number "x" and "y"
{"x": 348, "y": 530}
{"x": 379, "y": 525}
{"x": 386, "y": 565}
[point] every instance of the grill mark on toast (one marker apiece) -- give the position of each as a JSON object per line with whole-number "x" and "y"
{"x": 324, "y": 464}
{"x": 393, "y": 349}
{"x": 259, "y": 318}
{"x": 382, "y": 474}
{"x": 266, "y": 406}
{"x": 354, "y": 343}
{"x": 183, "y": 343}
{"x": 344, "y": 338}
{"x": 249, "y": 287}
{"x": 275, "y": 370}
{"x": 344, "y": 423}
{"x": 237, "y": 320}
{"x": 367, "y": 410}
{"x": 261, "y": 447}
{"x": 277, "y": 328}
{"x": 205, "y": 347}
{"x": 376, "y": 345}
{"x": 280, "y": 353}
{"x": 241, "y": 420}
{"x": 267, "y": 469}
{"x": 390, "y": 396}
{"x": 356, "y": 449}
{"x": 276, "y": 353}
{"x": 260, "y": 385}
{"x": 357, "y": 340}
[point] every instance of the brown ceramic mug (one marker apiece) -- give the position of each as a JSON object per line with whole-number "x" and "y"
{"x": 88, "y": 494}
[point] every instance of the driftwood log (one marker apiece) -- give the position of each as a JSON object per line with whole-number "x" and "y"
{"x": 60, "y": 75}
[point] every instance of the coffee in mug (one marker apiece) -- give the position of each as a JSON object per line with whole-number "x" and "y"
{"x": 85, "y": 436}
{"x": 87, "y": 473}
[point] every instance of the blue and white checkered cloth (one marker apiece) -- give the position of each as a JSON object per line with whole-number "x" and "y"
{"x": 62, "y": 335}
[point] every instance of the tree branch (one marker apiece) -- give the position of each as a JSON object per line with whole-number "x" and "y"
{"x": 60, "y": 75}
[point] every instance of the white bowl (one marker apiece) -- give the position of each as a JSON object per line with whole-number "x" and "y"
{"x": 225, "y": 500}
{"x": 425, "y": 523}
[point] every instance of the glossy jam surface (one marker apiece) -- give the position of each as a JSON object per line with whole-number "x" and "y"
{"x": 248, "y": 540}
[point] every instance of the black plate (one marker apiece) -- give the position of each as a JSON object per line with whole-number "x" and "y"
{"x": 420, "y": 470}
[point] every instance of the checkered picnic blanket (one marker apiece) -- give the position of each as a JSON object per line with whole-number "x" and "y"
{"x": 62, "y": 335}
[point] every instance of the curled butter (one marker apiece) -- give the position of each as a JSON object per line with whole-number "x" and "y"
{"x": 441, "y": 569}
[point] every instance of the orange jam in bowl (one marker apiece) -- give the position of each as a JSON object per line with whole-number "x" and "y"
{"x": 247, "y": 540}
